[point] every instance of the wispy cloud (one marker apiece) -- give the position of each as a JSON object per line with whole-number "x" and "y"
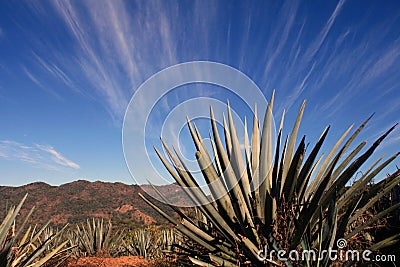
{"x": 57, "y": 157}
{"x": 358, "y": 71}
{"x": 112, "y": 52}
{"x": 40, "y": 156}
{"x": 91, "y": 63}
{"x": 317, "y": 43}
{"x": 38, "y": 83}
{"x": 383, "y": 64}
{"x": 56, "y": 71}
{"x": 113, "y": 47}
{"x": 305, "y": 63}
{"x": 283, "y": 28}
{"x": 32, "y": 77}
{"x": 295, "y": 53}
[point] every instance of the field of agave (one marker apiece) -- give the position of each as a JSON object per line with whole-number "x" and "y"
{"x": 48, "y": 246}
{"x": 303, "y": 202}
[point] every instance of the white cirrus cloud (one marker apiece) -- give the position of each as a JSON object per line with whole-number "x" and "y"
{"x": 113, "y": 50}
{"x": 57, "y": 157}
{"x": 41, "y": 156}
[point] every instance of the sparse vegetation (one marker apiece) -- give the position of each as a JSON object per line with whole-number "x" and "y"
{"x": 74, "y": 202}
{"x": 29, "y": 247}
{"x": 152, "y": 242}
{"x": 96, "y": 238}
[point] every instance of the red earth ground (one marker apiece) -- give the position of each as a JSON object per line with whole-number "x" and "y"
{"x": 126, "y": 261}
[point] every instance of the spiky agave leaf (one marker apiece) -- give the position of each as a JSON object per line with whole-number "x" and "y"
{"x": 19, "y": 248}
{"x": 276, "y": 201}
{"x": 95, "y": 238}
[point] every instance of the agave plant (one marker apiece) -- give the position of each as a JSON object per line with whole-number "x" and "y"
{"x": 303, "y": 201}
{"x": 31, "y": 248}
{"x": 151, "y": 242}
{"x": 96, "y": 239}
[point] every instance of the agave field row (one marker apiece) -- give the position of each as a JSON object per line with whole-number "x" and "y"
{"x": 304, "y": 200}
{"x": 26, "y": 245}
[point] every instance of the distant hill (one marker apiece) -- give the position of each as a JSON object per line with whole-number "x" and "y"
{"x": 75, "y": 202}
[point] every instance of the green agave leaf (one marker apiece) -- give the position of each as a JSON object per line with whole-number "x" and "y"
{"x": 312, "y": 209}
{"x": 291, "y": 144}
{"x": 48, "y": 256}
{"x": 339, "y": 169}
{"x": 184, "y": 179}
{"x": 37, "y": 235}
{"x": 279, "y": 179}
{"x": 270, "y": 210}
{"x": 348, "y": 142}
{"x": 255, "y": 152}
{"x": 218, "y": 190}
{"x": 227, "y": 134}
{"x": 332, "y": 152}
{"x": 217, "y": 160}
{"x": 305, "y": 244}
{"x": 8, "y": 221}
{"x": 25, "y": 237}
{"x": 216, "y": 186}
{"x": 180, "y": 227}
{"x": 341, "y": 181}
{"x": 386, "y": 242}
{"x": 291, "y": 179}
{"x": 303, "y": 187}
{"x": 208, "y": 209}
{"x": 222, "y": 262}
{"x": 107, "y": 237}
{"x": 307, "y": 167}
{"x": 319, "y": 241}
{"x": 200, "y": 263}
{"x": 373, "y": 219}
{"x": 374, "y": 199}
{"x": 265, "y": 172}
{"x": 237, "y": 162}
{"x": 247, "y": 152}
{"x": 37, "y": 252}
{"x": 348, "y": 159}
{"x": 22, "y": 241}
{"x": 176, "y": 209}
{"x": 333, "y": 232}
{"x": 345, "y": 218}
{"x": 355, "y": 190}
{"x": 194, "y": 228}
{"x": 237, "y": 194}
{"x": 277, "y": 167}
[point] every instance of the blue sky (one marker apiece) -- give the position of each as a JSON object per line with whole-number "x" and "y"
{"x": 69, "y": 69}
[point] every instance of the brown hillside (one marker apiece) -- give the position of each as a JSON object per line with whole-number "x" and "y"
{"x": 75, "y": 202}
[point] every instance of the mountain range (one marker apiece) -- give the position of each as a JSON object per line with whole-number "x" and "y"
{"x": 80, "y": 200}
